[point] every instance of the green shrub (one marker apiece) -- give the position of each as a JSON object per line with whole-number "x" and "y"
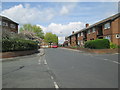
{"x": 97, "y": 44}
{"x": 18, "y": 45}
{"x": 113, "y": 46}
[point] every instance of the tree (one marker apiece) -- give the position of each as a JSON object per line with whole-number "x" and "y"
{"x": 34, "y": 29}
{"x": 51, "y": 38}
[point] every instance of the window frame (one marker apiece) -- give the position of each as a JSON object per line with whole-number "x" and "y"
{"x": 88, "y": 32}
{"x": 12, "y": 26}
{"x": 117, "y": 36}
{"x": 81, "y": 33}
{"x": 93, "y": 30}
{"x": 4, "y": 23}
{"x": 108, "y": 23}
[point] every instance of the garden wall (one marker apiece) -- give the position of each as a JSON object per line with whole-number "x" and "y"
{"x": 17, "y": 53}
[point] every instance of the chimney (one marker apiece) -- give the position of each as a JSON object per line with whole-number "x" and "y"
{"x": 72, "y": 32}
{"x": 87, "y": 25}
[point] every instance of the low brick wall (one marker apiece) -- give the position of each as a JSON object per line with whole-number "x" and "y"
{"x": 17, "y": 53}
{"x": 98, "y": 50}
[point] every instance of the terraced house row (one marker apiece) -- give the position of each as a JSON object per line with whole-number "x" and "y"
{"x": 108, "y": 28}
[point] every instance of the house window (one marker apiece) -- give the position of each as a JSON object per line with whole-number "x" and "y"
{"x": 78, "y": 35}
{"x": 108, "y": 37}
{"x": 93, "y": 30}
{"x": 107, "y": 26}
{"x": 5, "y": 24}
{"x": 81, "y": 33}
{"x": 12, "y": 26}
{"x": 117, "y": 35}
{"x": 88, "y": 31}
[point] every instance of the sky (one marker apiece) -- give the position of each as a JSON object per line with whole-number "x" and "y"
{"x": 60, "y": 18}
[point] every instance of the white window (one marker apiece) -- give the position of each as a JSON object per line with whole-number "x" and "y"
{"x": 78, "y": 35}
{"x": 5, "y": 24}
{"x": 107, "y": 26}
{"x": 81, "y": 33}
{"x": 12, "y": 26}
{"x": 93, "y": 30}
{"x": 88, "y": 31}
{"x": 108, "y": 37}
{"x": 117, "y": 35}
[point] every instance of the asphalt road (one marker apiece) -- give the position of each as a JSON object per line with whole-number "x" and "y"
{"x": 61, "y": 68}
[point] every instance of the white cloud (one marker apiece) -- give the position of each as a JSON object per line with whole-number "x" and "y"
{"x": 63, "y": 30}
{"x": 66, "y": 9}
{"x": 26, "y": 14}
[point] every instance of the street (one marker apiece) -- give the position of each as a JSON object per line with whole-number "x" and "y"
{"x": 61, "y": 68}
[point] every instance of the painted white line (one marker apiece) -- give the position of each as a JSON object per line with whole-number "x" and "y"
{"x": 52, "y": 77}
{"x": 56, "y": 86}
{"x": 45, "y": 62}
{"x": 116, "y": 62}
{"x": 112, "y": 61}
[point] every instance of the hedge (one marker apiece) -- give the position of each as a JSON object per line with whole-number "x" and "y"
{"x": 98, "y": 44}
{"x": 18, "y": 45}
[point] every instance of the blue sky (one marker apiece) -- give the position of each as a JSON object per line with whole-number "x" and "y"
{"x": 59, "y": 17}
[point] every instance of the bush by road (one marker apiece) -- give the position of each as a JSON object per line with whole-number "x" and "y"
{"x": 18, "y": 45}
{"x": 98, "y": 44}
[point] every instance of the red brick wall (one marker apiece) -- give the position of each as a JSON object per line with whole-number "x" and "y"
{"x": 73, "y": 40}
{"x": 115, "y": 28}
{"x": 92, "y": 35}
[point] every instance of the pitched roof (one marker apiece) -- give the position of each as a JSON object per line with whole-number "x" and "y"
{"x": 111, "y": 18}
{"x": 5, "y": 18}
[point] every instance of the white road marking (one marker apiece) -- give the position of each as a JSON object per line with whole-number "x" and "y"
{"x": 116, "y": 62}
{"x": 52, "y": 77}
{"x": 45, "y": 62}
{"x": 56, "y": 86}
{"x": 112, "y": 61}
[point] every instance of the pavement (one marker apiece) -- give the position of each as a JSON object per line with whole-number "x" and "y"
{"x": 61, "y": 68}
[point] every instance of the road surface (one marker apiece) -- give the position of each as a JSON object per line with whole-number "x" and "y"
{"x": 61, "y": 68}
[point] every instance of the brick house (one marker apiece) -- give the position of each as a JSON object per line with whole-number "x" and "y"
{"x": 8, "y": 24}
{"x": 108, "y": 28}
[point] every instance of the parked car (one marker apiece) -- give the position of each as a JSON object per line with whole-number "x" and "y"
{"x": 54, "y": 46}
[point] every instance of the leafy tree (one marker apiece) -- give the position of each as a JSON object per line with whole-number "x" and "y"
{"x": 33, "y": 28}
{"x": 51, "y": 38}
